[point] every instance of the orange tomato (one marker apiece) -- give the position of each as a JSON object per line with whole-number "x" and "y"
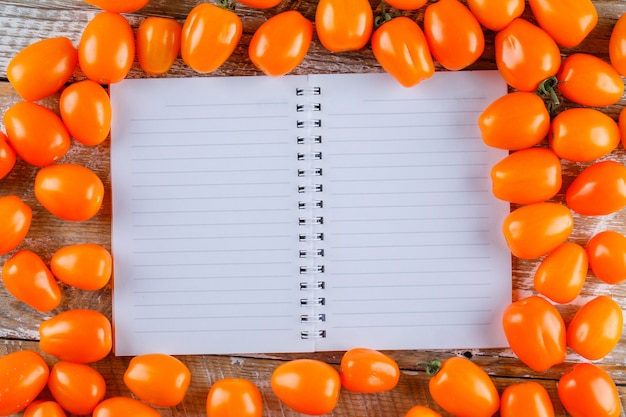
{"x": 78, "y": 335}
{"x": 260, "y": 4}
{"x": 85, "y": 109}
{"x": 617, "y": 45}
{"x": 16, "y": 218}
{"x": 598, "y": 190}
{"x": 535, "y": 229}
{"x": 496, "y": 14}
{"x": 568, "y": 22}
{"x": 69, "y": 191}
{"x": 621, "y": 123}
{"x": 526, "y": 399}
{"x": 42, "y": 68}
{"x": 607, "y": 256}
{"x": 158, "y": 44}
{"x": 368, "y": 370}
{"x": 24, "y": 376}
{"x": 7, "y": 156}
{"x": 421, "y": 411}
{"x": 124, "y": 407}
{"x": 454, "y": 36}
{"x": 234, "y": 397}
{"x": 587, "y": 390}
{"x": 535, "y": 331}
{"x": 406, "y": 4}
{"x": 344, "y": 25}
{"x": 118, "y": 6}
{"x": 44, "y": 409}
{"x": 86, "y": 266}
{"x": 562, "y": 274}
{"x": 107, "y": 48}
{"x": 26, "y": 276}
{"x": 280, "y": 44}
{"x": 36, "y": 133}
{"x": 77, "y": 387}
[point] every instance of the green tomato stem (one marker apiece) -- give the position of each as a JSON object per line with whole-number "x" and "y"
{"x": 547, "y": 91}
{"x": 383, "y": 17}
{"x": 432, "y": 367}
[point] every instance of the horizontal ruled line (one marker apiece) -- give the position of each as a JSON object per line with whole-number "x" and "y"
{"x": 201, "y": 145}
{"x": 204, "y": 158}
{"x": 391, "y": 313}
{"x": 213, "y": 290}
{"x": 443, "y": 151}
{"x": 207, "y": 264}
{"x": 408, "y": 326}
{"x": 389, "y": 219}
{"x": 205, "y": 278}
{"x": 455, "y": 284}
{"x": 252, "y": 103}
{"x": 421, "y": 245}
{"x": 428, "y": 258}
{"x": 213, "y": 251}
{"x": 415, "y": 192}
{"x": 211, "y": 171}
{"x": 213, "y": 304}
{"x": 418, "y": 205}
{"x": 411, "y": 179}
{"x": 210, "y": 211}
{"x": 435, "y": 165}
{"x": 212, "y": 317}
{"x": 220, "y": 117}
{"x": 406, "y": 113}
{"x": 399, "y": 126}
{"x": 205, "y": 237}
{"x": 209, "y": 197}
{"x": 404, "y": 100}
{"x": 410, "y": 232}
{"x": 208, "y": 184}
{"x": 411, "y": 139}
{"x": 350, "y": 300}
{"x": 253, "y": 329}
{"x": 203, "y": 224}
{"x": 206, "y": 131}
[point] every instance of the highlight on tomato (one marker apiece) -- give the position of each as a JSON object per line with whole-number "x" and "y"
{"x": 77, "y": 387}
{"x": 24, "y": 376}
{"x": 406, "y": 4}
{"x": 421, "y": 411}
{"x": 260, "y": 4}
{"x": 344, "y": 25}
{"x": 234, "y": 397}
{"x": 8, "y": 156}
{"x": 568, "y": 22}
{"x": 586, "y": 389}
{"x": 85, "y": 109}
{"x": 44, "y": 409}
{"x": 606, "y": 251}
{"x": 496, "y": 14}
{"x": 117, "y": 6}
{"x": 617, "y": 45}
{"x": 598, "y": 190}
{"x": 16, "y": 217}
{"x": 42, "y": 68}
{"x": 124, "y": 407}
{"x": 526, "y": 399}
{"x": 87, "y": 266}
{"x": 368, "y": 370}
{"x": 562, "y": 274}
{"x": 157, "y": 43}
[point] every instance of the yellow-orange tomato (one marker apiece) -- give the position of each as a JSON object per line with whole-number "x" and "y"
{"x": 567, "y": 21}
{"x": 344, "y": 25}
{"x": 44, "y": 409}
{"x": 86, "y": 266}
{"x": 107, "y": 48}
{"x": 260, "y": 4}
{"x": 562, "y": 274}
{"x": 535, "y": 229}
{"x": 406, "y": 4}
{"x": 496, "y": 14}
{"x": 526, "y": 399}
{"x": 36, "y": 133}
{"x": 77, "y": 387}
{"x": 24, "y": 376}
{"x": 69, "y": 191}
{"x": 85, "y": 109}
{"x": 7, "y": 156}
{"x": 42, "y": 68}
{"x": 158, "y": 379}
{"x": 124, "y": 407}
{"x": 598, "y": 190}
{"x": 588, "y": 390}
{"x": 617, "y": 45}
{"x": 368, "y": 370}
{"x": 118, "y": 6}
{"x": 607, "y": 256}
{"x": 234, "y": 397}
{"x": 621, "y": 123}
{"x": 421, "y": 411}
{"x": 26, "y": 276}
{"x": 158, "y": 44}
{"x": 79, "y": 335}
{"x": 16, "y": 218}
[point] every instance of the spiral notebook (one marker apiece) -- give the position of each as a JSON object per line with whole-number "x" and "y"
{"x": 305, "y": 213}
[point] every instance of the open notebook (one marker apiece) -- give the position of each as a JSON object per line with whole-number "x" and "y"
{"x": 302, "y": 213}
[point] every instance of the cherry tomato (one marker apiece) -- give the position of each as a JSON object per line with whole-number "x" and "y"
{"x": 86, "y": 266}
{"x": 16, "y": 218}
{"x": 562, "y": 274}
{"x": 26, "y": 276}
{"x": 344, "y": 25}
{"x": 44, "y": 409}
{"x": 260, "y": 4}
{"x": 406, "y": 4}
{"x": 400, "y": 47}
{"x": 280, "y": 44}
{"x": 535, "y": 331}
{"x": 421, "y": 411}
{"x": 69, "y": 191}
{"x": 583, "y": 134}
{"x": 368, "y": 370}
{"x": 231, "y": 397}
{"x": 588, "y": 80}
{"x": 85, "y": 109}
{"x": 587, "y": 390}
{"x": 24, "y": 375}
{"x": 77, "y": 387}
{"x": 517, "y": 120}
{"x": 107, "y": 48}
{"x": 79, "y": 335}
{"x": 526, "y": 55}
{"x": 607, "y": 256}
{"x": 118, "y": 6}
{"x": 568, "y": 22}
{"x": 454, "y": 36}
{"x": 462, "y": 388}
{"x": 496, "y": 14}
{"x": 617, "y": 45}
{"x": 528, "y": 176}
{"x": 307, "y": 386}
{"x": 526, "y": 399}
{"x": 209, "y": 28}
{"x": 124, "y": 407}
{"x": 36, "y": 133}
{"x": 42, "y": 68}
{"x": 598, "y": 190}
{"x": 535, "y": 229}
{"x": 158, "y": 44}
{"x": 7, "y": 156}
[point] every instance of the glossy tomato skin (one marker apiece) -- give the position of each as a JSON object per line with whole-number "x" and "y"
{"x": 617, "y": 45}
{"x": 568, "y": 22}
{"x": 587, "y": 390}
{"x": 454, "y": 36}
{"x": 393, "y": 40}
{"x": 229, "y": 397}
{"x": 260, "y": 4}
{"x": 77, "y": 387}
{"x": 69, "y": 191}
{"x": 562, "y": 274}
{"x": 496, "y": 14}
{"x": 526, "y": 55}
{"x": 536, "y": 332}
{"x": 107, "y": 48}
{"x": 526, "y": 399}
{"x": 368, "y": 370}
{"x": 598, "y": 190}
{"x": 421, "y": 411}
{"x": 42, "y": 68}
{"x": 44, "y": 409}
{"x": 117, "y": 6}
{"x": 606, "y": 251}
{"x": 588, "y": 80}
{"x": 36, "y": 133}
{"x": 280, "y": 44}
{"x": 344, "y": 25}
{"x": 124, "y": 407}
{"x": 8, "y": 156}
{"x": 23, "y": 375}
{"x": 157, "y": 42}
{"x": 209, "y": 28}
{"x": 16, "y": 217}
{"x": 85, "y": 109}
{"x": 406, "y": 4}
{"x": 86, "y": 266}
{"x": 79, "y": 335}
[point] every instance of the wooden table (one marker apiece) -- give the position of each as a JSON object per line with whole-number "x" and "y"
{"x": 25, "y": 21}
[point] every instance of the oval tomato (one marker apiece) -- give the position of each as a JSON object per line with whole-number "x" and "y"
{"x": 496, "y": 14}
{"x": 86, "y": 266}
{"x": 421, "y": 411}
{"x": 617, "y": 45}
{"x": 36, "y": 133}
{"x": 16, "y": 218}
{"x": 526, "y": 399}
{"x": 454, "y": 36}
{"x": 400, "y": 47}
{"x": 587, "y": 390}
{"x": 69, "y": 191}
{"x": 44, "y": 409}
{"x": 528, "y": 176}
{"x": 536, "y": 332}
{"x": 607, "y": 256}
{"x": 107, "y": 48}
{"x": 7, "y": 156}
{"x": 562, "y": 274}
{"x": 117, "y": 6}
{"x": 158, "y": 44}
{"x": 77, "y": 387}
{"x": 209, "y": 28}
{"x": 26, "y": 276}
{"x": 78, "y": 335}
{"x": 85, "y": 109}
{"x": 344, "y": 25}
{"x": 588, "y": 80}
{"x": 124, "y": 407}
{"x": 280, "y": 44}
{"x": 598, "y": 190}
{"x": 42, "y": 68}
{"x": 24, "y": 376}
{"x": 526, "y": 55}
{"x": 307, "y": 386}
{"x": 234, "y": 397}
{"x": 568, "y": 22}
{"x": 535, "y": 229}
{"x": 406, "y": 4}
{"x": 368, "y": 370}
